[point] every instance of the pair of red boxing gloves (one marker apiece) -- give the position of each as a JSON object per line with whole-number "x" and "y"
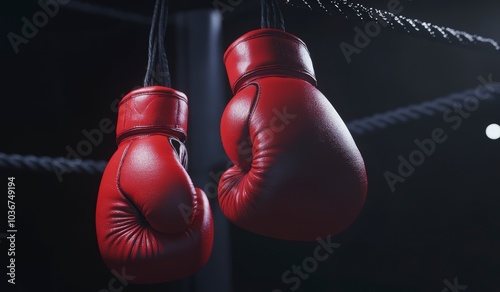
{"x": 298, "y": 174}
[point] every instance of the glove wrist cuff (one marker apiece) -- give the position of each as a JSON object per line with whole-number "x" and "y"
{"x": 267, "y": 52}
{"x": 153, "y": 109}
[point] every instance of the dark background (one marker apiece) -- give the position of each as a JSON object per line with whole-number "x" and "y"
{"x": 442, "y": 223}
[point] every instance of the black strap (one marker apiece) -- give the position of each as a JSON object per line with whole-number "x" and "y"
{"x": 271, "y": 16}
{"x": 157, "y": 72}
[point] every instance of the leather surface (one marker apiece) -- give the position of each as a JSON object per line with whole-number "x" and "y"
{"x": 150, "y": 219}
{"x": 267, "y": 51}
{"x": 143, "y": 110}
{"x": 298, "y": 173}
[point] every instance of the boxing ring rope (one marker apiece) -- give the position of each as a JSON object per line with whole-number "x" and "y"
{"x": 353, "y": 12}
{"x": 358, "y": 13}
{"x": 414, "y": 112}
{"x": 50, "y": 164}
{"x": 358, "y": 127}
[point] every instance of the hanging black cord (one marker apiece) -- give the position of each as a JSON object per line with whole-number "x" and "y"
{"x": 279, "y": 20}
{"x": 271, "y": 16}
{"x": 162, "y": 53}
{"x": 152, "y": 46}
{"x": 263, "y": 12}
{"x": 264, "y": 19}
{"x": 157, "y": 72}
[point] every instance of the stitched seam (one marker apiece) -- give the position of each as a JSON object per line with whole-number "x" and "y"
{"x": 254, "y": 107}
{"x": 177, "y": 114}
{"x": 295, "y": 40}
{"x": 156, "y": 94}
{"x": 249, "y": 74}
{"x": 148, "y": 130}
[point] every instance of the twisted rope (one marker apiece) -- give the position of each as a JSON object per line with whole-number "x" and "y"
{"x": 50, "y": 164}
{"x": 357, "y": 127}
{"x": 356, "y": 13}
{"x": 361, "y": 14}
{"x": 413, "y": 112}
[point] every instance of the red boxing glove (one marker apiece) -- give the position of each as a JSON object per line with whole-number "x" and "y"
{"x": 152, "y": 224}
{"x": 298, "y": 174}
